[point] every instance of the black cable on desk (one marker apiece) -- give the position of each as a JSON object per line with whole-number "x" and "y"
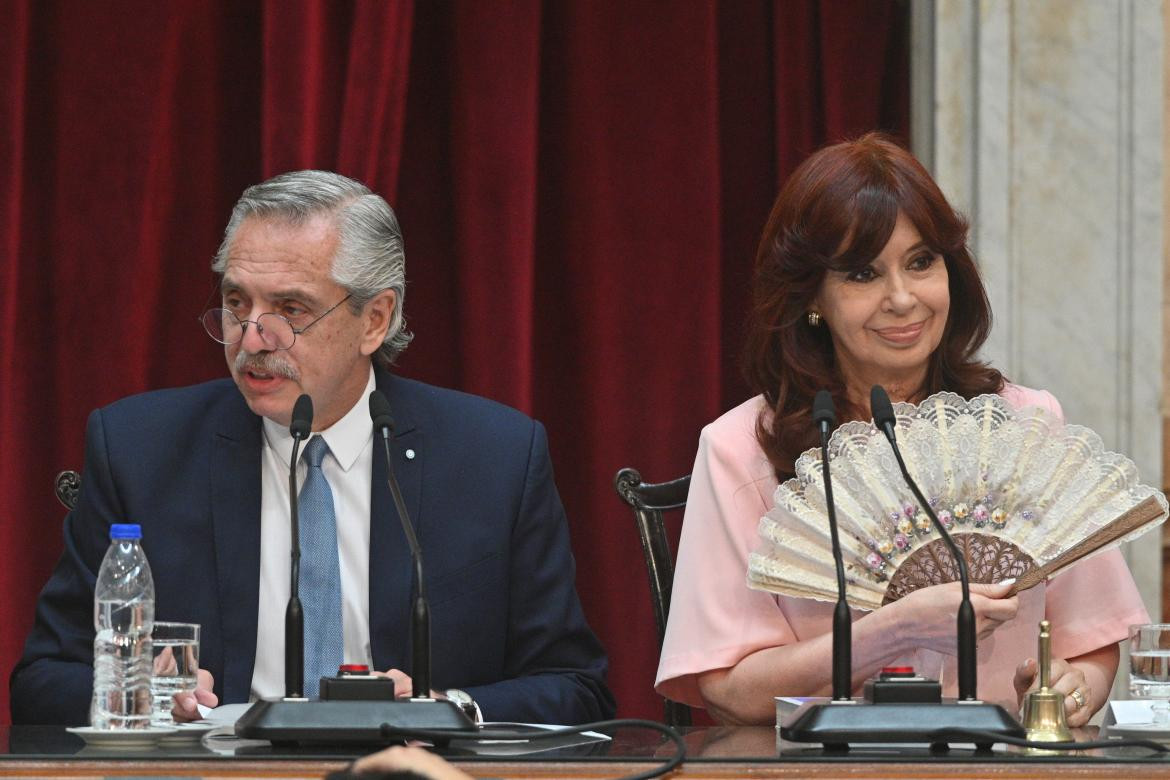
{"x": 966, "y": 735}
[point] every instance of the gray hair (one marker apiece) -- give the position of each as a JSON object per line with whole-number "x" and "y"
{"x": 370, "y": 255}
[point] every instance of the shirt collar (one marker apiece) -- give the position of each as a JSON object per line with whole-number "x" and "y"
{"x": 346, "y": 438}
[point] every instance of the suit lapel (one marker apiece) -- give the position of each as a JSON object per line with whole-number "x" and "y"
{"x": 235, "y": 513}
{"x": 391, "y": 566}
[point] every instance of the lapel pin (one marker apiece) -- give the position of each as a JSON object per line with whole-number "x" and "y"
{"x": 409, "y": 454}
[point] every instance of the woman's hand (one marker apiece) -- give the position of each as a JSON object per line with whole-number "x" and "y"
{"x": 926, "y": 617}
{"x": 1066, "y": 679}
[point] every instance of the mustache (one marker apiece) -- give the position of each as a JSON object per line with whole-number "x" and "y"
{"x": 266, "y": 363}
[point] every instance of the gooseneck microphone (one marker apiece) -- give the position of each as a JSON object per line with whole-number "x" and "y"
{"x": 420, "y": 615}
{"x": 883, "y": 417}
{"x": 294, "y": 616}
{"x": 825, "y": 418}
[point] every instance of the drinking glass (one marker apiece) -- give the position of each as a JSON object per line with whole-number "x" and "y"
{"x": 176, "y": 663}
{"x": 1149, "y": 660}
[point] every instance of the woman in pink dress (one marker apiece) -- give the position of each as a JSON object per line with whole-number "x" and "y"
{"x": 863, "y": 277}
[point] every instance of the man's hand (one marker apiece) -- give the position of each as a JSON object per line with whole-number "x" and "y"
{"x": 1066, "y": 679}
{"x": 185, "y": 709}
{"x": 403, "y": 684}
{"x": 164, "y": 663}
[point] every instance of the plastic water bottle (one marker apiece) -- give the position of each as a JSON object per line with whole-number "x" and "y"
{"x": 123, "y": 616}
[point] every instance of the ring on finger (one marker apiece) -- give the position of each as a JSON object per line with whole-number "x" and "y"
{"x": 1078, "y": 697}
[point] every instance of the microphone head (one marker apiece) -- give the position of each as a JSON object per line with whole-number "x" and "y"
{"x": 302, "y": 417}
{"x": 380, "y": 412}
{"x": 882, "y": 409}
{"x": 822, "y": 409}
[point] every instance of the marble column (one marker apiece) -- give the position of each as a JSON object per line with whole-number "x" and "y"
{"x": 1042, "y": 121}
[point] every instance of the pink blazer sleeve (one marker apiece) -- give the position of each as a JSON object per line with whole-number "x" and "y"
{"x": 1092, "y": 605}
{"x": 715, "y": 620}
{"x": 1022, "y": 397}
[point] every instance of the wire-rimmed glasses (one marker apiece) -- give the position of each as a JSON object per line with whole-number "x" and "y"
{"x": 274, "y": 329}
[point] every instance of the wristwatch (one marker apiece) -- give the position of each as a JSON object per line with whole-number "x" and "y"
{"x": 466, "y": 703}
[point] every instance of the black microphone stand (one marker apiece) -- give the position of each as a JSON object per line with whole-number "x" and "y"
{"x": 883, "y": 415}
{"x": 294, "y": 615}
{"x": 826, "y": 419}
{"x": 421, "y": 615}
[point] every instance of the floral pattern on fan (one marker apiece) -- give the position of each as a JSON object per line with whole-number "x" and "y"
{"x": 995, "y": 476}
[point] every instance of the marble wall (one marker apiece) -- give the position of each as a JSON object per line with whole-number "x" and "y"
{"x": 1042, "y": 120}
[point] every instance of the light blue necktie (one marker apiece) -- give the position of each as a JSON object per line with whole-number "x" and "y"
{"x": 320, "y": 572}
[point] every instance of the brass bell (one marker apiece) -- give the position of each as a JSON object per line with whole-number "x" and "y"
{"x": 1044, "y": 708}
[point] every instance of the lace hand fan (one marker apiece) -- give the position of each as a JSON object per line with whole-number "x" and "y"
{"x": 1023, "y": 494}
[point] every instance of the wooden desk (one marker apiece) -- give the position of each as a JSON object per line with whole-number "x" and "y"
{"x": 712, "y": 753}
{"x": 594, "y": 771}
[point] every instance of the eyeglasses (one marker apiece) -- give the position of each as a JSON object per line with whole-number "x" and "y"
{"x": 275, "y": 330}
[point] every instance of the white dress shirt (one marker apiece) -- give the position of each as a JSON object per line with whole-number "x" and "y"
{"x": 348, "y": 467}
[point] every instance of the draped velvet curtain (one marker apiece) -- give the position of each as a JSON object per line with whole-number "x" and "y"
{"x": 581, "y": 185}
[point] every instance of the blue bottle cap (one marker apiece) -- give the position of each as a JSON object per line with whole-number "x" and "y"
{"x": 125, "y": 531}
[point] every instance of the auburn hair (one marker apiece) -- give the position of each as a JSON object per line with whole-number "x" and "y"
{"x": 837, "y": 212}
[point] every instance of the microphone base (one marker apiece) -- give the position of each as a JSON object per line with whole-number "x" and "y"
{"x": 837, "y": 725}
{"x": 341, "y": 722}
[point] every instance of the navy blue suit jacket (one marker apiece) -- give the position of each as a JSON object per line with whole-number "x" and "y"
{"x": 507, "y": 625}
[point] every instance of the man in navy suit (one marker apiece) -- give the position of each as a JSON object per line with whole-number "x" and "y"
{"x": 312, "y": 283}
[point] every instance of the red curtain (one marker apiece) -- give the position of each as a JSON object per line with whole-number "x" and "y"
{"x": 580, "y": 183}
